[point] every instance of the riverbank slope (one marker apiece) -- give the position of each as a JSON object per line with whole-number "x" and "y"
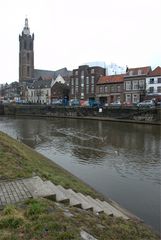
{"x": 45, "y": 219}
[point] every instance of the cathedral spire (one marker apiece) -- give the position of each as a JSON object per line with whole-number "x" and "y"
{"x": 26, "y": 29}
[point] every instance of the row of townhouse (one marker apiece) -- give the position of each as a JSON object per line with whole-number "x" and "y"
{"x": 135, "y": 85}
{"x": 42, "y": 90}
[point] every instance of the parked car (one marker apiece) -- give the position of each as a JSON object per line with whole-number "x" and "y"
{"x": 146, "y": 103}
{"x": 74, "y": 102}
{"x": 57, "y": 102}
{"x": 94, "y": 103}
{"x": 127, "y": 104}
{"x": 84, "y": 103}
{"x": 115, "y": 104}
{"x": 159, "y": 104}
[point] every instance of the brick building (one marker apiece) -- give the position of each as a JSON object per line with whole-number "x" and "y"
{"x": 83, "y": 82}
{"x": 110, "y": 89}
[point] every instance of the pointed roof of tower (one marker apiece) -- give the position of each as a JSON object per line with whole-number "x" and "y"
{"x": 26, "y": 29}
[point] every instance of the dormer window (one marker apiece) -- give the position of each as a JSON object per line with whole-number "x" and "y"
{"x": 131, "y": 73}
{"x": 92, "y": 71}
{"x": 139, "y": 72}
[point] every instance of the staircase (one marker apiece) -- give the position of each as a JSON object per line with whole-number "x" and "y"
{"x": 39, "y": 188}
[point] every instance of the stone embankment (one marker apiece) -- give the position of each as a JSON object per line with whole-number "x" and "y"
{"x": 129, "y": 114}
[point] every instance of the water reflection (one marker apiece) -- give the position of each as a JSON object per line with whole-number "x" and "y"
{"x": 122, "y": 161}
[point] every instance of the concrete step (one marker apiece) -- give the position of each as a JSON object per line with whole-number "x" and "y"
{"x": 60, "y": 195}
{"x": 37, "y": 188}
{"x": 73, "y": 200}
{"x": 84, "y": 204}
{"x": 115, "y": 211}
{"x": 92, "y": 202}
{"x": 106, "y": 209}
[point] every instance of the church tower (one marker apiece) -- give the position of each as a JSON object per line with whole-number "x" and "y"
{"x": 26, "y": 54}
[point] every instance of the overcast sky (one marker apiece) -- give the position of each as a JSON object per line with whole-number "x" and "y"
{"x": 69, "y": 33}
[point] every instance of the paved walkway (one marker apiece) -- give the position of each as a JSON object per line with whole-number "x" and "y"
{"x": 12, "y": 192}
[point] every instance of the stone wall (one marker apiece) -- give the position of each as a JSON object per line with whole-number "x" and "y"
{"x": 134, "y": 114}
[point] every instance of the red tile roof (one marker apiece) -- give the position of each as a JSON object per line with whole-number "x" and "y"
{"x": 155, "y": 72}
{"x": 138, "y": 71}
{"x": 111, "y": 79}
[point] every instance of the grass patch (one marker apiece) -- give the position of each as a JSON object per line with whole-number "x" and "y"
{"x": 44, "y": 219}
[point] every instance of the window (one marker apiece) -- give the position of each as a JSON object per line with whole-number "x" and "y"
{"x": 135, "y": 98}
{"x": 25, "y": 45}
{"x": 76, "y": 89}
{"x": 159, "y": 89}
{"x": 135, "y": 85}
{"x": 82, "y": 80}
{"x": 82, "y": 73}
{"x": 72, "y": 81}
{"x": 76, "y": 81}
{"x": 159, "y": 80}
{"x": 82, "y": 95}
{"x": 76, "y": 72}
{"x": 128, "y": 85}
{"x": 112, "y": 88}
{"x": 151, "y": 81}
{"x": 28, "y": 57}
{"x": 92, "y": 89}
{"x": 87, "y": 89}
{"x": 31, "y": 45}
{"x": 141, "y": 84}
{"x": 92, "y": 80}
{"x": 87, "y": 80}
{"x": 118, "y": 88}
{"x": 106, "y": 89}
{"x": 72, "y": 90}
{"x": 128, "y": 98}
{"x": 101, "y": 89}
{"x": 28, "y": 71}
{"x": 151, "y": 89}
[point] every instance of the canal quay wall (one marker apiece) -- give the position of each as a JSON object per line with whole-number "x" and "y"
{"x": 115, "y": 114}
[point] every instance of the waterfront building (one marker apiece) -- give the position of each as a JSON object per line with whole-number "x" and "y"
{"x": 110, "y": 89}
{"x": 83, "y": 82}
{"x": 153, "y": 84}
{"x": 40, "y": 91}
{"x": 135, "y": 84}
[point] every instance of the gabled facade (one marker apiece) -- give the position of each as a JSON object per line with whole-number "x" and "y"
{"x": 83, "y": 82}
{"x": 135, "y": 84}
{"x": 153, "y": 83}
{"x": 40, "y": 91}
{"x": 110, "y": 88}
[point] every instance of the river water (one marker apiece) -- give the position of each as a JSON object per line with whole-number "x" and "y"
{"x": 120, "y": 160}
